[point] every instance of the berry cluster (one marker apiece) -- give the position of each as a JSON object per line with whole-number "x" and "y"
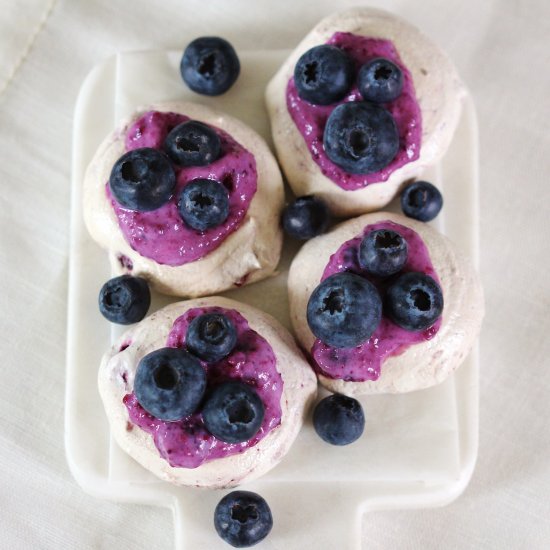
{"x": 144, "y": 179}
{"x": 171, "y": 383}
{"x": 345, "y": 309}
{"x": 360, "y": 136}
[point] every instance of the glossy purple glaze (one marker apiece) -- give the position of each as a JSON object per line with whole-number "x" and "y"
{"x": 187, "y": 443}
{"x": 161, "y": 234}
{"x": 311, "y": 119}
{"x": 364, "y": 361}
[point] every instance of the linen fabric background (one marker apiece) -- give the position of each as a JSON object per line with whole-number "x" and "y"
{"x": 501, "y": 48}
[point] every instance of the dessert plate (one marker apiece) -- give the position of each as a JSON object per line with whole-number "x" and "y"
{"x": 418, "y": 449}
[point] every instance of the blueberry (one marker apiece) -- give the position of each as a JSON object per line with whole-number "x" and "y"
{"x": 414, "y": 301}
{"x": 142, "y": 179}
{"x": 383, "y": 252}
{"x": 344, "y": 310}
{"x": 380, "y": 80}
{"x": 204, "y": 204}
{"x": 361, "y": 138}
{"x": 210, "y": 65}
{"x": 169, "y": 383}
{"x": 211, "y": 336}
{"x": 339, "y": 420}
{"x": 233, "y": 412}
{"x": 306, "y": 217}
{"x": 193, "y": 143}
{"x": 125, "y": 299}
{"x": 323, "y": 75}
{"x": 242, "y": 519}
{"x": 421, "y": 200}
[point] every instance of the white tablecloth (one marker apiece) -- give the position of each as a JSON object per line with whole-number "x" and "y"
{"x": 48, "y": 46}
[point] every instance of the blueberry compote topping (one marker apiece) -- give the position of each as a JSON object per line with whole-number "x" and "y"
{"x": 251, "y": 364}
{"x": 177, "y": 232}
{"x": 395, "y": 332}
{"x": 386, "y": 146}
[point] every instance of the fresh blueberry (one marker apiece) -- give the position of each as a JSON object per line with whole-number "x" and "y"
{"x": 344, "y": 310}
{"x": 193, "y": 143}
{"x": 306, "y": 217}
{"x": 169, "y": 383}
{"x": 142, "y": 179}
{"x": 233, "y": 412}
{"x": 339, "y": 420}
{"x": 361, "y": 138}
{"x": 125, "y": 299}
{"x": 414, "y": 301}
{"x": 204, "y": 204}
{"x": 242, "y": 519}
{"x": 380, "y": 80}
{"x": 421, "y": 200}
{"x": 210, "y": 65}
{"x": 211, "y": 337}
{"x": 323, "y": 75}
{"x": 383, "y": 252}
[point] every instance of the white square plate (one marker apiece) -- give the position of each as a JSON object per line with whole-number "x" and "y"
{"x": 418, "y": 449}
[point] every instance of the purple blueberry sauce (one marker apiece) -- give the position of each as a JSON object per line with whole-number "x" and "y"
{"x": 364, "y": 361}
{"x": 125, "y": 262}
{"x": 161, "y": 234}
{"x": 126, "y": 344}
{"x": 186, "y": 443}
{"x": 311, "y": 119}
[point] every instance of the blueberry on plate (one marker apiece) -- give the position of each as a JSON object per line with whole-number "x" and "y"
{"x": 211, "y": 336}
{"x": 339, "y": 420}
{"x": 242, "y": 519}
{"x": 323, "y": 75}
{"x": 421, "y": 201}
{"x": 380, "y": 80}
{"x": 344, "y": 310}
{"x": 169, "y": 383}
{"x": 233, "y": 412}
{"x": 193, "y": 143}
{"x": 210, "y": 65}
{"x": 383, "y": 252}
{"x": 204, "y": 204}
{"x": 414, "y": 301}
{"x": 125, "y": 299}
{"x": 142, "y": 179}
{"x": 361, "y": 138}
{"x": 306, "y": 217}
